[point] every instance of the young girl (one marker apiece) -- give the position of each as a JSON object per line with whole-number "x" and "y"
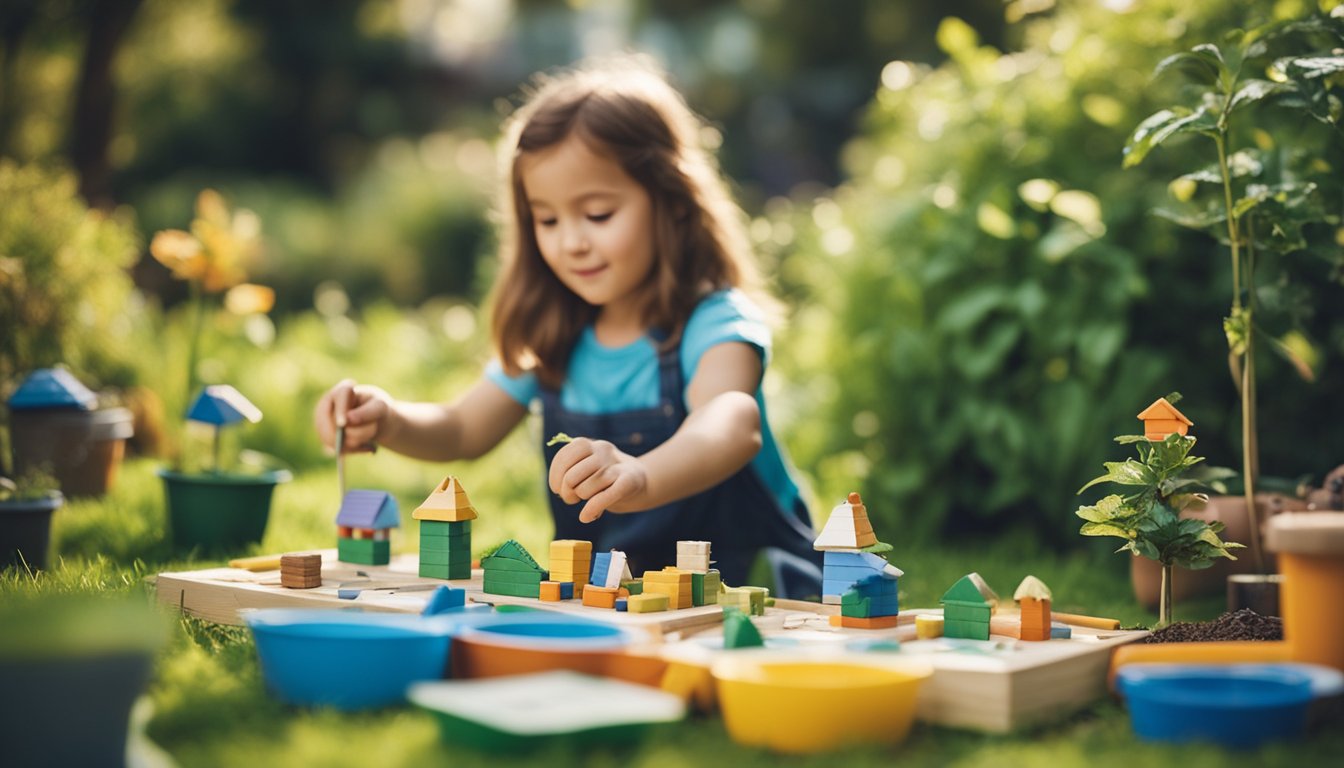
{"x": 623, "y": 305}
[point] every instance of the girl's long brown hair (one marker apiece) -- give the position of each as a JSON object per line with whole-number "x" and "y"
{"x": 625, "y": 109}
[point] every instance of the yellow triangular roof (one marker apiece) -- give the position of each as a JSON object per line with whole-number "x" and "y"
{"x": 447, "y": 504}
{"x": 1161, "y": 409}
{"x": 848, "y": 527}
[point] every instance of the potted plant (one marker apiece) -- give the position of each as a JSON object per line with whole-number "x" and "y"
{"x": 1260, "y": 197}
{"x": 26, "y": 506}
{"x": 1148, "y": 516}
{"x": 216, "y": 507}
{"x": 73, "y": 666}
{"x": 64, "y": 285}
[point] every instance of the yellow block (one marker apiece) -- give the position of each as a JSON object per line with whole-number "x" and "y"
{"x": 646, "y": 603}
{"x": 928, "y": 627}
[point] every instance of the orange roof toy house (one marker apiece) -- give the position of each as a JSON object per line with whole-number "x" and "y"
{"x": 1161, "y": 419}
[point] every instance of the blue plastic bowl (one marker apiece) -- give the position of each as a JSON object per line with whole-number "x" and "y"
{"x": 349, "y": 659}
{"x": 1232, "y": 705}
{"x": 543, "y": 631}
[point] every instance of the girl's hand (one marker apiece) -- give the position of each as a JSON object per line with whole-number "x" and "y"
{"x": 362, "y": 409}
{"x": 594, "y": 470}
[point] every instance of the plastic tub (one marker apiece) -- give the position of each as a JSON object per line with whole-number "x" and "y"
{"x": 529, "y": 711}
{"x": 348, "y": 659}
{"x": 1233, "y": 705}
{"x": 539, "y": 641}
{"x": 812, "y": 705}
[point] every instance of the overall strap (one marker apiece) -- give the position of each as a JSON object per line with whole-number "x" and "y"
{"x": 671, "y": 386}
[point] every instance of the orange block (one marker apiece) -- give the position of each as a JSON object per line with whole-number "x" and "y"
{"x": 550, "y": 591}
{"x": 600, "y": 597}
{"x": 875, "y": 622}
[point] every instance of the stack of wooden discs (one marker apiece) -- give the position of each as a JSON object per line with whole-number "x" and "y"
{"x": 300, "y": 571}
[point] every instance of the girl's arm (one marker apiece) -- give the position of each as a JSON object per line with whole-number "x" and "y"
{"x": 464, "y": 429}
{"x": 720, "y": 435}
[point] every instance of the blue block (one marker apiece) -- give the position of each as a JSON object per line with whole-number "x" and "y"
{"x": 601, "y": 564}
{"x": 850, "y": 572}
{"x": 566, "y": 590}
{"x": 622, "y": 604}
{"x": 445, "y": 599}
{"x": 1060, "y": 631}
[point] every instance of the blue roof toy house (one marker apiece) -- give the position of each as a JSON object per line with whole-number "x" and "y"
{"x": 364, "y": 527}
{"x": 52, "y": 388}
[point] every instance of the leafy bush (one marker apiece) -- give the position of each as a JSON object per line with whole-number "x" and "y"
{"x": 65, "y": 295}
{"x": 989, "y": 293}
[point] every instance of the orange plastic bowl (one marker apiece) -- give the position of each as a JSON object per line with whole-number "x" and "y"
{"x": 805, "y": 706}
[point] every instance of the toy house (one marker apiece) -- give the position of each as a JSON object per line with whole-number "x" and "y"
{"x": 364, "y": 527}
{"x": 967, "y": 607}
{"x": 693, "y": 556}
{"x": 1033, "y": 597}
{"x": 1161, "y": 419}
{"x": 445, "y": 531}
{"x": 510, "y": 570}
{"x": 845, "y": 566}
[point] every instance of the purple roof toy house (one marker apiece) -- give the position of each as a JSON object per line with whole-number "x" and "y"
{"x": 363, "y": 527}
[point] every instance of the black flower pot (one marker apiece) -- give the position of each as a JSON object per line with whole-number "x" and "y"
{"x": 25, "y": 531}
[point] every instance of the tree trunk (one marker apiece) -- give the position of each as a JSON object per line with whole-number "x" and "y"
{"x": 1164, "y": 605}
{"x": 95, "y": 97}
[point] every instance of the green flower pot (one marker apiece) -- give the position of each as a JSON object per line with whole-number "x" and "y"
{"x": 218, "y": 512}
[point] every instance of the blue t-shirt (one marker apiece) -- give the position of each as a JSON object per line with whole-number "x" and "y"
{"x": 604, "y": 379}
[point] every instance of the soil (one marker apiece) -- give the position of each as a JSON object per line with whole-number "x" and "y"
{"x": 1244, "y": 624}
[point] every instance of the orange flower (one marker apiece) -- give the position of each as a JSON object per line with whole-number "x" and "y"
{"x": 229, "y": 241}
{"x": 249, "y": 299}
{"x": 180, "y": 252}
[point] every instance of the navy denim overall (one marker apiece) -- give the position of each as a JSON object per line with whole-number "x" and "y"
{"x": 738, "y": 517}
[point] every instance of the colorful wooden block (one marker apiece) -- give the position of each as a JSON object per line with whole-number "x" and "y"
{"x": 364, "y": 551}
{"x": 739, "y": 632}
{"x": 549, "y": 591}
{"x": 647, "y": 603}
{"x": 928, "y": 627}
{"x": 875, "y": 622}
{"x": 595, "y": 596}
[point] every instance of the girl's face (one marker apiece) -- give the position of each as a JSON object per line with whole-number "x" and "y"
{"x": 593, "y": 223}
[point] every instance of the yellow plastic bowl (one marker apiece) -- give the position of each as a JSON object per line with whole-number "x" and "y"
{"x": 804, "y": 706}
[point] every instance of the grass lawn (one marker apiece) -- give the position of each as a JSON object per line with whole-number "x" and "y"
{"x": 210, "y": 706}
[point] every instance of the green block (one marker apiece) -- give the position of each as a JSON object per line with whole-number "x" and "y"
{"x": 454, "y": 571}
{"x": 513, "y": 577}
{"x": 738, "y": 631}
{"x": 856, "y": 609}
{"x": 634, "y": 586}
{"x": 506, "y": 564}
{"x": 969, "y": 630}
{"x": 364, "y": 551}
{"x": 495, "y": 587}
{"x": 445, "y": 543}
{"x": 445, "y": 558}
{"x": 437, "y": 528}
{"x": 966, "y": 612}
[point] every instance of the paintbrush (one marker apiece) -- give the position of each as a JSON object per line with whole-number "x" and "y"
{"x": 340, "y": 457}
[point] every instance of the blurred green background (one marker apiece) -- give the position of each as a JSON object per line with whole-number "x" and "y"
{"x": 979, "y": 295}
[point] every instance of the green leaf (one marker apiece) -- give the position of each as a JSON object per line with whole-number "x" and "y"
{"x": 1127, "y": 472}
{"x": 1253, "y": 91}
{"x": 1104, "y": 529}
{"x": 1163, "y": 125}
{"x": 1299, "y": 363}
{"x": 1207, "y": 60}
{"x": 1213, "y": 214}
{"x": 1309, "y": 67}
{"x": 1107, "y": 509}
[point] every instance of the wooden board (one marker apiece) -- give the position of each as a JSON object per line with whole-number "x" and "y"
{"x": 996, "y": 686}
{"x": 218, "y": 594}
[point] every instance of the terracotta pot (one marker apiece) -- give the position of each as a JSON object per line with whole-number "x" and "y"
{"x": 1146, "y": 575}
{"x": 83, "y": 449}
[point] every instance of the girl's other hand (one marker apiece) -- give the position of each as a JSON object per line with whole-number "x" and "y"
{"x": 595, "y": 471}
{"x": 360, "y": 408}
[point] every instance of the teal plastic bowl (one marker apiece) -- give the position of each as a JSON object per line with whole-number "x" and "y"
{"x": 349, "y": 660}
